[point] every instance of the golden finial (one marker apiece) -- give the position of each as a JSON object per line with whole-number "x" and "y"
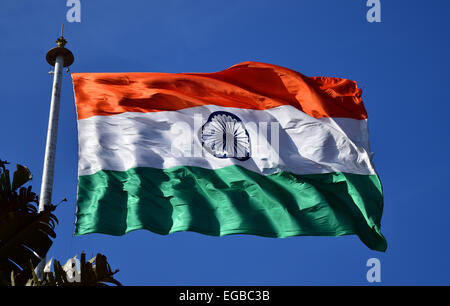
{"x": 61, "y": 41}
{"x": 60, "y": 50}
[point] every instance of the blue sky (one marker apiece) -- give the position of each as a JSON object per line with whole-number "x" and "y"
{"x": 401, "y": 63}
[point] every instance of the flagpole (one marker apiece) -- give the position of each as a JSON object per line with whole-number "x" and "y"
{"x": 59, "y": 57}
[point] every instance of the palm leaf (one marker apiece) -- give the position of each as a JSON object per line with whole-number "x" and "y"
{"x": 25, "y": 234}
{"x": 25, "y": 237}
{"x": 21, "y": 176}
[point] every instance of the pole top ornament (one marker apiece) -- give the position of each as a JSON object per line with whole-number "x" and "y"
{"x": 53, "y": 53}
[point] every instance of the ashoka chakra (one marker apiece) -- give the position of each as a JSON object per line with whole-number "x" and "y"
{"x": 224, "y": 136}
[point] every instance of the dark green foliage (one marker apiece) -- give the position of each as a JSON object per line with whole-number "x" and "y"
{"x": 26, "y": 236}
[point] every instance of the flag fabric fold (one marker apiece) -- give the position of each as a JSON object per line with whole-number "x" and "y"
{"x": 255, "y": 149}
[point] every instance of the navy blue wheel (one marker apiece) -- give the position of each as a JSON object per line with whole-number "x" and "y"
{"x": 224, "y": 136}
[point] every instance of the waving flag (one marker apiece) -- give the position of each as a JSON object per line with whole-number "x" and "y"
{"x": 254, "y": 149}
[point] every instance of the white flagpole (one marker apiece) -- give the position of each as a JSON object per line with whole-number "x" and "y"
{"x": 59, "y": 57}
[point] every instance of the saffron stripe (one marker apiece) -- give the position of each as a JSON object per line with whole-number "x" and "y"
{"x": 248, "y": 85}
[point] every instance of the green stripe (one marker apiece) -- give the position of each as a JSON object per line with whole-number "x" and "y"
{"x": 231, "y": 200}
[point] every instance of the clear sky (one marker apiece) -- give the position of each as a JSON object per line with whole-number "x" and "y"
{"x": 402, "y": 64}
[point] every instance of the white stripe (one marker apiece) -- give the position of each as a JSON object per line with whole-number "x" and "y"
{"x": 171, "y": 138}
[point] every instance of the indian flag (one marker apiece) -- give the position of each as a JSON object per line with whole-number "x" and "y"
{"x": 255, "y": 149}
